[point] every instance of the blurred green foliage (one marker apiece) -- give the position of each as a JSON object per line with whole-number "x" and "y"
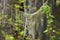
{"x": 20, "y": 32}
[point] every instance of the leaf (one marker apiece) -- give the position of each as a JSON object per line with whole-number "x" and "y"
{"x": 17, "y": 6}
{"x": 45, "y": 31}
{"x": 50, "y": 28}
{"x": 21, "y": 33}
{"x": 21, "y": 1}
{"x": 9, "y": 37}
{"x": 54, "y": 30}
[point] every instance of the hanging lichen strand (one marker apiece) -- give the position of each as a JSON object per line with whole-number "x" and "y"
{"x": 34, "y": 23}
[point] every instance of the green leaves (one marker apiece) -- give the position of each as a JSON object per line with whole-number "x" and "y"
{"x": 18, "y": 20}
{"x": 21, "y": 33}
{"x": 28, "y": 38}
{"x": 17, "y": 6}
{"x": 47, "y": 9}
{"x": 9, "y": 37}
{"x": 50, "y": 21}
{"x": 10, "y": 21}
{"x": 20, "y": 1}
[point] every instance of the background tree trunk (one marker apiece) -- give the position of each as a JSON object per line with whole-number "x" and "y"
{"x": 7, "y": 10}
